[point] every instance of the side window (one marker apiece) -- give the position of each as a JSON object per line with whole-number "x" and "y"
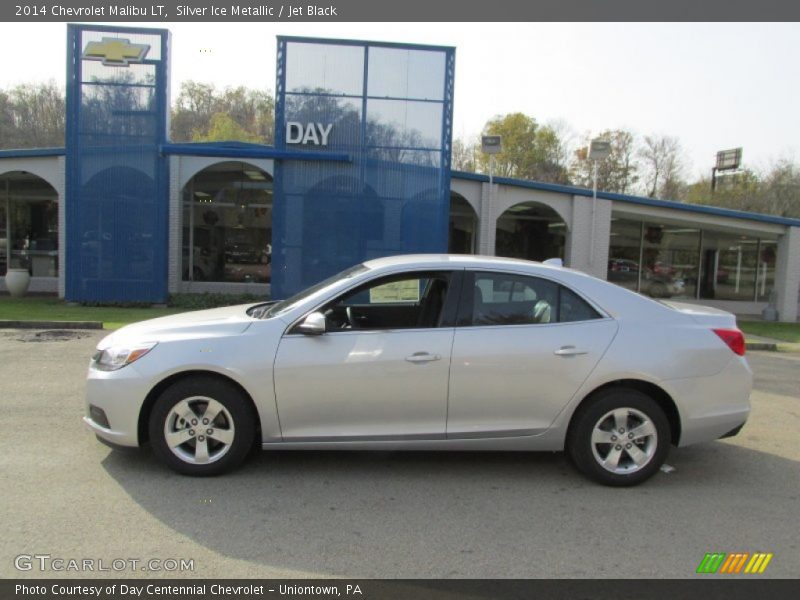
{"x": 574, "y": 308}
{"x": 506, "y": 299}
{"x": 412, "y": 300}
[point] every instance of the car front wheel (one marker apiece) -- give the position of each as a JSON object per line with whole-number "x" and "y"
{"x": 202, "y": 426}
{"x": 620, "y": 438}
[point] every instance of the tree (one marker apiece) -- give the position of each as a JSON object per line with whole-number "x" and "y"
{"x": 224, "y": 128}
{"x": 662, "y": 165}
{"x": 775, "y": 191}
{"x": 781, "y": 189}
{"x": 32, "y": 115}
{"x": 464, "y": 156}
{"x": 530, "y": 150}
{"x": 198, "y": 103}
{"x": 617, "y": 173}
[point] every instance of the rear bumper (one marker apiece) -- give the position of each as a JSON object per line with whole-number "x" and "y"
{"x": 713, "y": 407}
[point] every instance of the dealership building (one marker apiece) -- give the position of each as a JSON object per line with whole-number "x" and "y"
{"x": 360, "y": 169}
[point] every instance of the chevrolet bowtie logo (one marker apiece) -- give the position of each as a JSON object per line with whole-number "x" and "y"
{"x": 115, "y": 52}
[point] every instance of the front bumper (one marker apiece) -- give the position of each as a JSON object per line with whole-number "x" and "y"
{"x": 120, "y": 395}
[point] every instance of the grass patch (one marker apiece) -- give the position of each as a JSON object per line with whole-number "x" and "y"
{"x": 113, "y": 315}
{"x": 50, "y": 308}
{"x": 788, "y": 332}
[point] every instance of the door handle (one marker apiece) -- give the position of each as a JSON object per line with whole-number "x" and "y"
{"x": 422, "y": 357}
{"x": 570, "y": 351}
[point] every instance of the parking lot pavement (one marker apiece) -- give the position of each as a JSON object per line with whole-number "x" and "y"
{"x": 384, "y": 514}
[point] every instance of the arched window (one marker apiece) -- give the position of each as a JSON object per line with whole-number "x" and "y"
{"x": 463, "y": 231}
{"x": 28, "y": 224}
{"x": 227, "y": 224}
{"x": 532, "y": 231}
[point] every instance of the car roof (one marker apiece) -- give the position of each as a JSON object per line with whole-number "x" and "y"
{"x": 454, "y": 260}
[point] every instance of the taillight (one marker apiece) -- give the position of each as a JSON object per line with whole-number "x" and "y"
{"x": 733, "y": 337}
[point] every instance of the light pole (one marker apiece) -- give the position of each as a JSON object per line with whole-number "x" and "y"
{"x": 491, "y": 145}
{"x": 599, "y": 149}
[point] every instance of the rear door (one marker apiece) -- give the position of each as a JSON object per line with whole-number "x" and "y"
{"x": 522, "y": 347}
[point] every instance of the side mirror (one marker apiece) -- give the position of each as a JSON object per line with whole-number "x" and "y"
{"x": 313, "y": 324}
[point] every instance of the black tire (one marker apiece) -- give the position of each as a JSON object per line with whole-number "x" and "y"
{"x": 587, "y": 456}
{"x": 238, "y": 417}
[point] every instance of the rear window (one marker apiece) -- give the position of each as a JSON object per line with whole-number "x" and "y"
{"x": 574, "y": 308}
{"x": 508, "y": 299}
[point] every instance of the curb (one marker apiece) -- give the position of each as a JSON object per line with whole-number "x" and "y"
{"x": 51, "y": 325}
{"x": 769, "y": 347}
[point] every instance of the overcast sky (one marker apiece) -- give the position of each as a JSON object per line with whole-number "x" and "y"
{"x": 714, "y": 86}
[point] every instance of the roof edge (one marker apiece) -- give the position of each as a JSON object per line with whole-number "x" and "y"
{"x": 670, "y": 204}
{"x": 32, "y": 152}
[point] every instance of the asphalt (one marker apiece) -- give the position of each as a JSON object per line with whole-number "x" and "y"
{"x": 383, "y": 514}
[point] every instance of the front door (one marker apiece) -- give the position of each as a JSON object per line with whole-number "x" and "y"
{"x": 380, "y": 372}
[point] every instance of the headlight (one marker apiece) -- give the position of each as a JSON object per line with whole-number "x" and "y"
{"x": 116, "y": 357}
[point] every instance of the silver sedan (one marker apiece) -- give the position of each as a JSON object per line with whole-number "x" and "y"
{"x": 428, "y": 352}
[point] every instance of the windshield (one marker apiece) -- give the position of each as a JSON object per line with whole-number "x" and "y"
{"x": 282, "y": 306}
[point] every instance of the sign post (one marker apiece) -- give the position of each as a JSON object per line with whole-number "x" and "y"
{"x": 727, "y": 160}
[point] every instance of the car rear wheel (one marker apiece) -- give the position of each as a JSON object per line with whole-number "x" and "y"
{"x": 202, "y": 426}
{"x": 620, "y": 438}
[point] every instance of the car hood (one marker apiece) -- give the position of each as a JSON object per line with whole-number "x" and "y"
{"x": 216, "y": 322}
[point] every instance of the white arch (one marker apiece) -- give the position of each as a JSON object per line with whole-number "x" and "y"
{"x": 189, "y": 166}
{"x": 509, "y": 197}
{"x": 469, "y": 190}
{"x": 49, "y": 169}
{"x": 43, "y": 167}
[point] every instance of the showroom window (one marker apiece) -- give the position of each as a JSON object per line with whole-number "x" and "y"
{"x": 669, "y": 261}
{"x": 28, "y": 225}
{"x": 227, "y": 224}
{"x": 625, "y": 253}
{"x": 728, "y": 269}
{"x": 678, "y": 261}
{"x": 765, "y": 269}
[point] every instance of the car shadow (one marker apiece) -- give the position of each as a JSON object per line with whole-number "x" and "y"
{"x": 440, "y": 514}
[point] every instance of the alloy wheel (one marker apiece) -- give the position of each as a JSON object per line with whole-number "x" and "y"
{"x": 624, "y": 440}
{"x": 199, "y": 430}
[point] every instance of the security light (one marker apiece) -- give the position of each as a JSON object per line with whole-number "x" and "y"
{"x": 599, "y": 149}
{"x": 492, "y": 144}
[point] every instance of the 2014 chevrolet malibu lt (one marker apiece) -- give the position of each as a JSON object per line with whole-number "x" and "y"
{"x": 428, "y": 352}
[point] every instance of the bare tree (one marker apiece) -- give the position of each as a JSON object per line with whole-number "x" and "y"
{"x": 781, "y": 189}
{"x": 32, "y": 115}
{"x": 463, "y": 156}
{"x": 662, "y": 166}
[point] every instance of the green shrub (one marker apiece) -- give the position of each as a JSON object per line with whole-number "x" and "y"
{"x": 100, "y": 304}
{"x": 200, "y": 301}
